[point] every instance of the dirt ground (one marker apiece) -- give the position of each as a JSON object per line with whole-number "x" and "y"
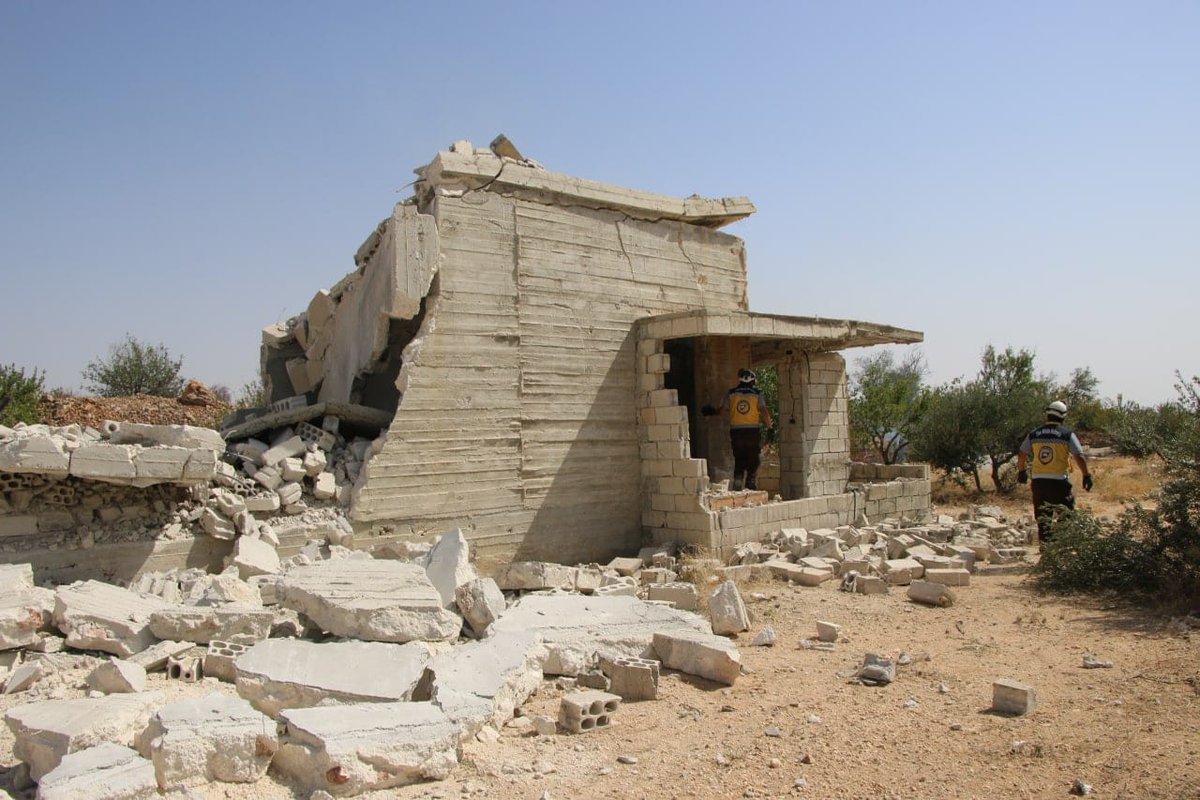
{"x": 1132, "y": 731}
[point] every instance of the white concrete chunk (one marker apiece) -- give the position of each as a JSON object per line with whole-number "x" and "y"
{"x": 696, "y": 653}
{"x": 291, "y": 673}
{"x": 41, "y": 454}
{"x": 202, "y": 624}
{"x": 117, "y": 676}
{"x": 573, "y": 627}
{"x": 482, "y": 683}
{"x": 211, "y": 738}
{"x": 49, "y": 730}
{"x": 104, "y": 772}
{"x": 254, "y": 556}
{"x": 727, "y": 611}
{"x": 23, "y": 611}
{"x": 112, "y": 463}
{"x": 98, "y": 616}
{"x": 481, "y": 602}
{"x": 354, "y": 749}
{"x": 534, "y": 575}
{"x": 371, "y": 599}
{"x": 448, "y": 565}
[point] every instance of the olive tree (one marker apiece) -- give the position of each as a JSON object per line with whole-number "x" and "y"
{"x": 133, "y": 367}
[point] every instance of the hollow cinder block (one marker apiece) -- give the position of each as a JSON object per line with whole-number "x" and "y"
{"x": 586, "y": 711}
{"x": 632, "y": 678}
{"x": 185, "y": 668}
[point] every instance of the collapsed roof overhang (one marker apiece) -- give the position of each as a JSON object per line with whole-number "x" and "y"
{"x": 772, "y": 335}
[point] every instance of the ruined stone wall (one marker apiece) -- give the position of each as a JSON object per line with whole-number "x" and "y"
{"x": 518, "y": 420}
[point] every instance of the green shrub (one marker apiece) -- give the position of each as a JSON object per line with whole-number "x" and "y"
{"x": 133, "y": 367}
{"x": 1083, "y": 554}
{"x": 19, "y": 395}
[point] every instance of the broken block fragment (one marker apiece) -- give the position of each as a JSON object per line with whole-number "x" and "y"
{"x": 704, "y": 654}
{"x": 588, "y": 710}
{"x": 1013, "y": 697}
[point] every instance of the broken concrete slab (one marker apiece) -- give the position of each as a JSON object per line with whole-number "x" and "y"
{"x": 573, "y": 627}
{"x": 110, "y": 463}
{"x": 358, "y": 748}
{"x": 117, "y": 676}
{"x": 99, "y": 616}
{"x": 202, "y": 624}
{"x": 105, "y": 772}
{"x": 929, "y": 593}
{"x": 482, "y": 683}
{"x": 254, "y": 556}
{"x": 24, "y": 676}
{"x": 481, "y": 602}
{"x": 35, "y": 453}
{"x": 186, "y": 436}
{"x": 154, "y": 657}
{"x": 535, "y": 575}
{"x": 370, "y": 599}
{"x": 48, "y": 730}
{"x": 211, "y": 738}
{"x": 290, "y": 673}
{"x": 727, "y": 611}
{"x": 449, "y": 566}
{"x": 223, "y": 588}
{"x": 697, "y": 653}
{"x": 24, "y": 610}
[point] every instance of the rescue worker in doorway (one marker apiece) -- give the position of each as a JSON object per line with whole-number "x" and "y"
{"x": 748, "y": 413}
{"x": 1051, "y": 447}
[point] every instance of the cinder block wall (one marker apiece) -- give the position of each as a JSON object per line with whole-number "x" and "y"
{"x": 519, "y": 420}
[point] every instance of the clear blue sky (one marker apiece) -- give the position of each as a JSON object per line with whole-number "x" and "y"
{"x": 1014, "y": 173}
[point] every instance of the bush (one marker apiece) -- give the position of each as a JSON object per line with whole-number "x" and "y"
{"x": 19, "y": 395}
{"x": 135, "y": 368}
{"x": 252, "y": 395}
{"x": 1085, "y": 555}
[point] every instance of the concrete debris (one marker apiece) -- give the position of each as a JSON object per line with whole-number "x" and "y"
{"x": 1013, "y": 697}
{"x": 727, "y": 611}
{"x": 220, "y": 660}
{"x": 828, "y": 631}
{"x": 24, "y": 676}
{"x": 1091, "y": 662}
{"x": 933, "y": 594}
{"x": 383, "y": 601}
{"x": 99, "y": 616}
{"x": 286, "y": 673}
{"x": 25, "y": 610}
{"x": 109, "y": 771}
{"x": 358, "y": 748}
{"x": 48, "y": 730}
{"x": 481, "y": 603}
{"x": 876, "y": 670}
{"x": 534, "y": 575}
{"x": 482, "y": 683}
{"x": 117, "y": 676}
{"x": 448, "y": 565}
{"x": 573, "y": 627}
{"x": 154, "y": 657}
{"x": 254, "y": 556}
{"x": 697, "y": 653}
{"x": 186, "y": 667}
{"x": 683, "y": 596}
{"x": 587, "y": 711}
{"x": 212, "y": 738}
{"x": 631, "y": 678}
{"x": 764, "y": 638}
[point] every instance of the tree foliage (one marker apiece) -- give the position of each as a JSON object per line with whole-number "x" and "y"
{"x": 950, "y": 432}
{"x": 133, "y": 367}
{"x": 768, "y": 382}
{"x": 887, "y": 401}
{"x": 1011, "y": 402}
{"x": 19, "y": 394}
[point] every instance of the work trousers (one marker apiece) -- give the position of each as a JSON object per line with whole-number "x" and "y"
{"x": 1048, "y": 493}
{"x": 746, "y": 444}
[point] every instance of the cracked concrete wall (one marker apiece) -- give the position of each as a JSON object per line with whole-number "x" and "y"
{"x": 518, "y": 420}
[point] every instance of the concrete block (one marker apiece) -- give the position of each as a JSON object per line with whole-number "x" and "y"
{"x": 359, "y": 748}
{"x": 871, "y": 584}
{"x": 948, "y": 577}
{"x": 112, "y": 463}
{"x": 98, "y": 616}
{"x": 292, "y": 470}
{"x": 106, "y": 771}
{"x": 1013, "y": 697}
{"x": 617, "y": 590}
{"x": 202, "y": 624}
{"x": 217, "y": 525}
{"x": 324, "y": 486}
{"x": 481, "y": 602}
{"x": 220, "y": 660}
{"x": 682, "y": 595}
{"x": 41, "y": 454}
{"x": 828, "y": 631}
{"x": 585, "y": 711}
{"x": 631, "y": 678}
{"x": 626, "y": 565}
{"x": 289, "y": 493}
{"x": 47, "y": 731}
{"x": 269, "y": 478}
{"x": 290, "y": 673}
{"x": 933, "y": 594}
{"x": 212, "y": 738}
{"x": 24, "y": 610}
{"x": 185, "y": 667}
{"x": 154, "y": 657}
{"x": 727, "y": 611}
{"x": 696, "y": 653}
{"x": 369, "y": 599}
{"x": 117, "y": 676}
{"x": 290, "y": 448}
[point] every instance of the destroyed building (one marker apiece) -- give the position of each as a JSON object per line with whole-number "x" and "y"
{"x": 533, "y": 350}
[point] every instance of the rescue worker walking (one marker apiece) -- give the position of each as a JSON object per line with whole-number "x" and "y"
{"x": 1051, "y": 448}
{"x": 747, "y": 410}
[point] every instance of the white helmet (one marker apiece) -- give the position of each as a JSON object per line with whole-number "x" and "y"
{"x": 1056, "y": 410}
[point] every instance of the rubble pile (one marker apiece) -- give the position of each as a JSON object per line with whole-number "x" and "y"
{"x": 269, "y": 651}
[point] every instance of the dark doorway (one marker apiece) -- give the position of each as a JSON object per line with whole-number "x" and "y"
{"x": 682, "y": 378}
